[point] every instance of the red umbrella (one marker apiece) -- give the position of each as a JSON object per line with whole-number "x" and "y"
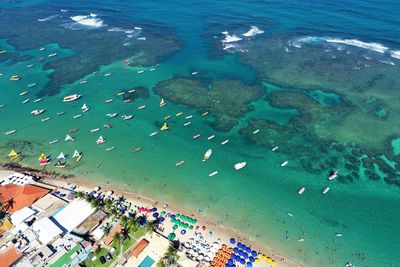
{"x": 203, "y": 227}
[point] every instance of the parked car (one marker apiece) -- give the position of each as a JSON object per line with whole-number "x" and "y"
{"x": 108, "y": 256}
{"x": 102, "y": 260}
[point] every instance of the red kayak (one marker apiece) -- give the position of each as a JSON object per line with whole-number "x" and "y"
{"x": 73, "y": 130}
{"x": 137, "y": 149}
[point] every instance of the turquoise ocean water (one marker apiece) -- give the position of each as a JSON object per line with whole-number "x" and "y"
{"x": 257, "y": 199}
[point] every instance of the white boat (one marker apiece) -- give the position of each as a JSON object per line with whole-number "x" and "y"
{"x": 100, "y": 140}
{"x": 54, "y": 141}
{"x": 52, "y": 55}
{"x": 37, "y": 112}
{"x": 108, "y": 100}
{"x": 239, "y": 165}
{"x": 224, "y": 142}
{"x": 333, "y": 175}
{"x": 120, "y": 93}
{"x": 69, "y": 138}
{"x": 107, "y": 74}
{"x": 153, "y": 133}
{"x": 211, "y": 137}
{"x": 76, "y": 154}
{"x": 339, "y": 234}
{"x": 2, "y": 106}
{"x": 187, "y": 123}
{"x": 10, "y": 132}
{"x": 70, "y": 98}
{"x": 256, "y": 131}
{"x": 142, "y": 107}
{"x": 325, "y": 190}
{"x": 127, "y": 117}
{"x": 194, "y": 73}
{"x": 110, "y": 148}
{"x": 208, "y": 154}
{"x": 77, "y": 116}
{"x": 23, "y": 93}
{"x": 95, "y": 130}
{"x": 275, "y": 148}
{"x": 46, "y": 119}
{"x": 131, "y": 91}
{"x": 152, "y": 69}
{"x": 60, "y": 113}
{"x": 32, "y": 85}
{"x": 37, "y": 100}
{"x": 204, "y": 113}
{"x": 83, "y": 82}
{"x": 61, "y": 156}
{"x": 301, "y": 190}
{"x": 283, "y": 164}
{"x": 140, "y": 71}
{"x": 25, "y": 101}
{"x": 189, "y": 117}
{"x": 29, "y": 65}
{"x": 111, "y": 115}
{"x": 213, "y": 173}
{"x": 42, "y": 49}
{"x": 84, "y": 108}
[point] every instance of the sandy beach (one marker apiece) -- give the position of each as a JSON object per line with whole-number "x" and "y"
{"x": 220, "y": 233}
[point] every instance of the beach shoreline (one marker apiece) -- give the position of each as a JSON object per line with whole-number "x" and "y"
{"x": 84, "y": 183}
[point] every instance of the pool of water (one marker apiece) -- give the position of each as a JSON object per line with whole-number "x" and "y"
{"x": 147, "y": 262}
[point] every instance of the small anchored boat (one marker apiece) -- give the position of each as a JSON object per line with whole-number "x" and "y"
{"x": 301, "y": 190}
{"x": 71, "y": 98}
{"x": 333, "y": 175}
{"x": 95, "y": 130}
{"x": 127, "y": 117}
{"x": 283, "y": 164}
{"x": 196, "y": 136}
{"x": 107, "y": 74}
{"x": 23, "y": 93}
{"x": 164, "y": 127}
{"x": 178, "y": 114}
{"x": 211, "y": 137}
{"x": 54, "y": 141}
{"x": 167, "y": 117}
{"x": 179, "y": 163}
{"x": 110, "y": 148}
{"x": 10, "y": 132}
{"x": 112, "y": 115}
{"x": 225, "y": 142}
{"x": 74, "y": 130}
{"x": 108, "y": 100}
{"x": 77, "y": 116}
{"x": 204, "y": 113}
{"x": 213, "y": 173}
{"x": 37, "y": 112}
{"x": 46, "y": 119}
{"x": 239, "y": 165}
{"x": 153, "y": 133}
{"x": 275, "y": 148}
{"x": 142, "y": 107}
{"x": 325, "y": 190}
{"x": 52, "y": 55}
{"x": 120, "y": 93}
{"x": 31, "y": 85}
{"x": 208, "y": 154}
{"x": 187, "y": 123}
{"x": 25, "y": 101}
{"x": 140, "y": 71}
{"x": 37, "y": 100}
{"x": 15, "y": 78}
{"x": 189, "y": 117}
{"x": 136, "y": 149}
{"x": 162, "y": 102}
{"x": 256, "y": 131}
{"x": 69, "y": 138}
{"x": 60, "y": 113}
{"x": 107, "y": 126}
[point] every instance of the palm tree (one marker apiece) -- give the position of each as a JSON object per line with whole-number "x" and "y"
{"x": 124, "y": 220}
{"x": 151, "y": 226}
{"x": 108, "y": 204}
{"x": 94, "y": 203}
{"x": 117, "y": 237}
{"x": 80, "y": 194}
{"x": 171, "y": 255}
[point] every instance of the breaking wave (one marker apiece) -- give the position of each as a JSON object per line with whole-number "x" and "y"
{"x": 48, "y": 18}
{"x": 254, "y": 30}
{"x": 91, "y": 20}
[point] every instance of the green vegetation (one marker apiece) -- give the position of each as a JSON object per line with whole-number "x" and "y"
{"x": 66, "y": 258}
{"x": 170, "y": 257}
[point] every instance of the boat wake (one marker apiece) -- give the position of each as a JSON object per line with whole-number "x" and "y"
{"x": 48, "y": 18}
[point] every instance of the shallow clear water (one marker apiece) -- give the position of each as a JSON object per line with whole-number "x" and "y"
{"x": 254, "y": 200}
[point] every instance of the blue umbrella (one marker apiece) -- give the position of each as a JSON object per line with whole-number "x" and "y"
{"x": 254, "y": 253}
{"x": 154, "y": 209}
{"x": 245, "y": 255}
{"x": 251, "y": 259}
{"x": 230, "y": 261}
{"x": 155, "y": 215}
{"x": 232, "y": 240}
{"x": 242, "y": 261}
{"x": 248, "y": 250}
{"x": 239, "y": 245}
{"x": 236, "y": 250}
{"x": 161, "y": 219}
{"x": 249, "y": 264}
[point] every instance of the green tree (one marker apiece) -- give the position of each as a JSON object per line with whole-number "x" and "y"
{"x": 151, "y": 226}
{"x": 94, "y": 203}
{"x": 124, "y": 220}
{"x": 80, "y": 194}
{"x": 171, "y": 256}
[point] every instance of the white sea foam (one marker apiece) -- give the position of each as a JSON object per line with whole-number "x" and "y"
{"x": 231, "y": 38}
{"x": 228, "y": 46}
{"x": 88, "y": 20}
{"x": 64, "y": 10}
{"x": 254, "y": 30}
{"x": 48, "y": 18}
{"x": 395, "y": 54}
{"x": 354, "y": 42}
{"x": 387, "y": 62}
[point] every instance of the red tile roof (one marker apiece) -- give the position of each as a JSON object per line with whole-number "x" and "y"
{"x": 15, "y": 197}
{"x": 9, "y": 256}
{"x": 140, "y": 246}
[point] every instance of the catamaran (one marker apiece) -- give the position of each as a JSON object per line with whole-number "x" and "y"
{"x": 79, "y": 157}
{"x": 164, "y": 127}
{"x": 301, "y": 190}
{"x": 95, "y": 130}
{"x": 162, "y": 103}
{"x": 84, "y": 108}
{"x": 239, "y": 165}
{"x": 69, "y": 138}
{"x": 127, "y": 117}
{"x": 37, "y": 112}
{"x": 60, "y": 164}
{"x": 283, "y": 164}
{"x": 213, "y": 173}
{"x": 100, "y": 140}
{"x": 211, "y": 137}
{"x": 224, "y": 142}
{"x": 325, "y": 190}
{"x": 333, "y": 175}
{"x": 76, "y": 154}
{"x": 61, "y": 156}
{"x": 71, "y": 98}
{"x": 208, "y": 154}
